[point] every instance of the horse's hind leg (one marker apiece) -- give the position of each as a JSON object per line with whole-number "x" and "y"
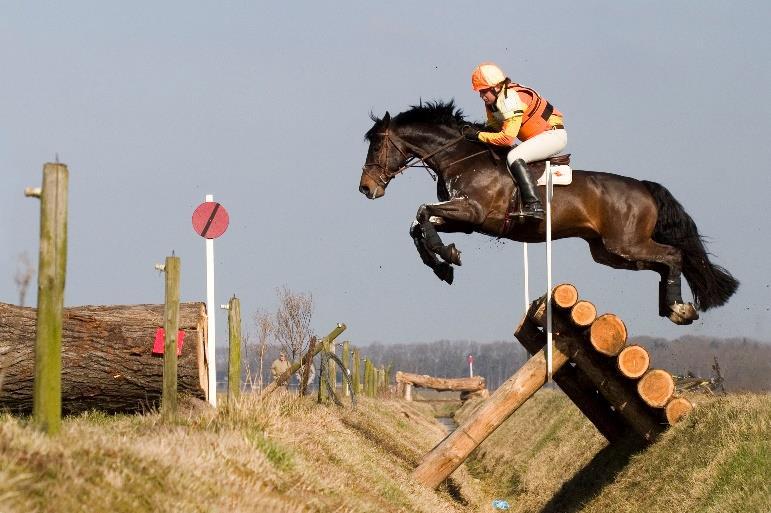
{"x": 650, "y": 255}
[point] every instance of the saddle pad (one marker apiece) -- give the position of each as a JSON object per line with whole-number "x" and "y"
{"x": 561, "y": 175}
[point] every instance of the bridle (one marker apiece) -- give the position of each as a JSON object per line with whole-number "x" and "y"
{"x": 409, "y": 160}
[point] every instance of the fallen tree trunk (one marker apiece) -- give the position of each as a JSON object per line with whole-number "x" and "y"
{"x": 442, "y": 384}
{"x": 107, "y": 359}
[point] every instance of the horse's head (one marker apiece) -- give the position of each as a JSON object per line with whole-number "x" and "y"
{"x": 387, "y": 157}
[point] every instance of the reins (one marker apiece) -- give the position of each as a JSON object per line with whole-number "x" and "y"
{"x": 409, "y": 161}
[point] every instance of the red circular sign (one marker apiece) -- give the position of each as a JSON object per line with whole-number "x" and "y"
{"x": 210, "y": 220}
{"x": 470, "y": 358}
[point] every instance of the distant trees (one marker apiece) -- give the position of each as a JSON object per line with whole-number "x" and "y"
{"x": 292, "y": 327}
{"x": 23, "y": 276}
{"x": 745, "y": 364}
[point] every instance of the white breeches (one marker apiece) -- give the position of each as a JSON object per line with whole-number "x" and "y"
{"x": 542, "y": 146}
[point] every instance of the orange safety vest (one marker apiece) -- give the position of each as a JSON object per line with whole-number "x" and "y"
{"x": 538, "y": 111}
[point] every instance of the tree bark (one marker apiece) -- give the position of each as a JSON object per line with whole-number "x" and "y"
{"x": 107, "y": 359}
{"x": 442, "y": 384}
{"x": 633, "y": 361}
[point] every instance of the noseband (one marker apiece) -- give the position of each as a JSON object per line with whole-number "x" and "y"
{"x": 409, "y": 160}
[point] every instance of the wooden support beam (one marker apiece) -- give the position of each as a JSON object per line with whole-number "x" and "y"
{"x": 577, "y": 386}
{"x": 448, "y": 455}
{"x": 603, "y": 375}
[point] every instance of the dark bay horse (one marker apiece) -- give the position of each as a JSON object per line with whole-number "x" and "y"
{"x": 628, "y": 223}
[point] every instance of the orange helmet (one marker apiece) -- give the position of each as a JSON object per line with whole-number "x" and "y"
{"x": 486, "y": 75}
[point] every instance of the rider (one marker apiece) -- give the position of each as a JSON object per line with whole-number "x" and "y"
{"x": 515, "y": 111}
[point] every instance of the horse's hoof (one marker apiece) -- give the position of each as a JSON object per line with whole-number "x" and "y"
{"x": 684, "y": 310}
{"x": 450, "y": 254}
{"x": 454, "y": 254}
{"x": 682, "y": 313}
{"x": 445, "y": 272}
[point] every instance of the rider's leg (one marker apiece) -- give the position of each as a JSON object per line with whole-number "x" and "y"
{"x": 539, "y": 147}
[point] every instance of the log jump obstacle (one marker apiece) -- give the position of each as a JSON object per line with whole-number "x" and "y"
{"x": 468, "y": 387}
{"x": 609, "y": 382}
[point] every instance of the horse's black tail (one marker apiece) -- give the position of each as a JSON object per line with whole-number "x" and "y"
{"x": 711, "y": 284}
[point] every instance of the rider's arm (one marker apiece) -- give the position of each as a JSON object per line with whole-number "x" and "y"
{"x": 507, "y": 136}
{"x": 511, "y": 109}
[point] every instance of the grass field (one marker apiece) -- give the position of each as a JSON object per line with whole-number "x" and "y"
{"x": 293, "y": 455}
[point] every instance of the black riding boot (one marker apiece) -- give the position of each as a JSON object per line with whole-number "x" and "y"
{"x": 531, "y": 205}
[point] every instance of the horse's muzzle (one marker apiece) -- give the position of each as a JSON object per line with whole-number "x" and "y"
{"x": 369, "y": 188}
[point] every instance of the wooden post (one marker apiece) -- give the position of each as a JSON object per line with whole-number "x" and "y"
{"x": 356, "y": 372}
{"x": 388, "y": 372}
{"x": 346, "y": 357}
{"x": 367, "y": 377}
{"x": 333, "y": 367}
{"x": 234, "y": 358}
{"x": 52, "y": 262}
{"x": 303, "y": 361}
{"x": 408, "y": 391}
{"x": 443, "y": 459}
{"x": 171, "y": 327}
{"x": 324, "y": 373}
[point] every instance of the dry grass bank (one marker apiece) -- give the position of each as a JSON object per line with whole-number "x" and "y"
{"x": 281, "y": 455}
{"x": 548, "y": 458}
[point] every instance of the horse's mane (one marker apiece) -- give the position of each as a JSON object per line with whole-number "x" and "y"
{"x": 431, "y": 112}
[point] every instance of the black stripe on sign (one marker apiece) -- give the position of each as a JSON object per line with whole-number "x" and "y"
{"x": 211, "y": 218}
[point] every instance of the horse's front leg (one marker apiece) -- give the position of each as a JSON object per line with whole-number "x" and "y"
{"x": 443, "y": 270}
{"x": 457, "y": 214}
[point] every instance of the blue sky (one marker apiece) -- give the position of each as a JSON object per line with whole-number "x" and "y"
{"x": 154, "y": 105}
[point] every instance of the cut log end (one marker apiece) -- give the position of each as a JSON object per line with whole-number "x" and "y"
{"x": 583, "y": 314}
{"x": 656, "y": 388}
{"x": 564, "y": 295}
{"x": 633, "y": 361}
{"x": 608, "y": 334}
{"x": 677, "y": 408}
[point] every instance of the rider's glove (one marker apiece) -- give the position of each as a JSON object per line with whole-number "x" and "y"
{"x": 470, "y": 133}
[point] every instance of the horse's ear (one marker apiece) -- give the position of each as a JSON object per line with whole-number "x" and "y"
{"x": 387, "y": 118}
